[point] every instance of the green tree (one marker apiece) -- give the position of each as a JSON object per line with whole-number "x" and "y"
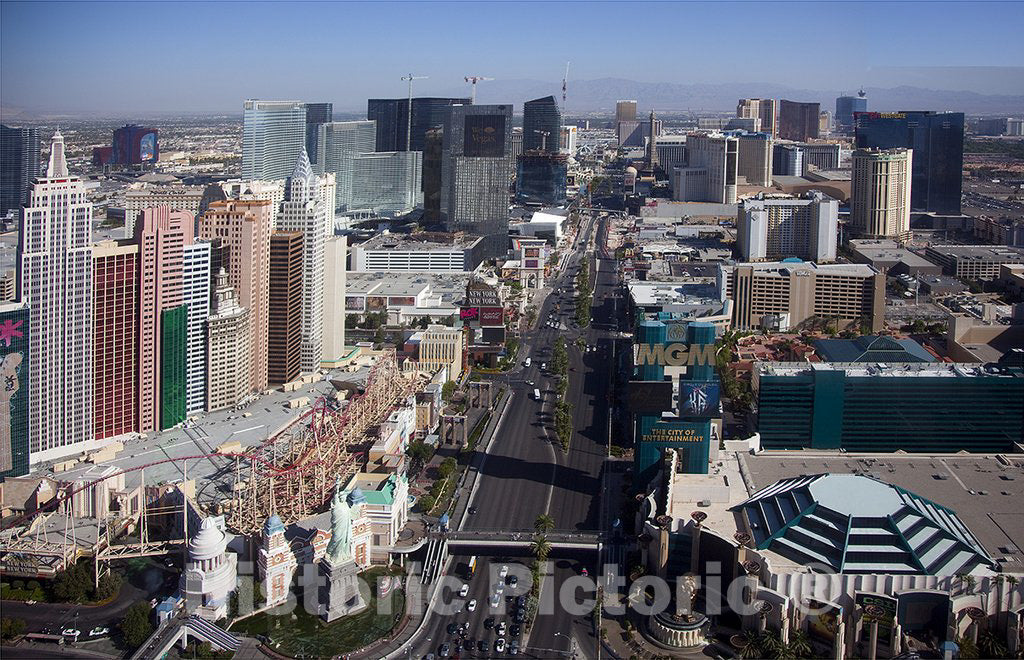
{"x": 427, "y": 503}
{"x": 351, "y": 320}
{"x": 447, "y": 390}
{"x": 447, "y": 467}
{"x": 540, "y": 547}
{"x": 800, "y": 644}
{"x": 74, "y": 584}
{"x": 11, "y": 627}
{"x": 968, "y": 649}
{"x": 990, "y": 646}
{"x": 544, "y": 523}
{"x": 379, "y": 337}
{"x": 136, "y": 626}
{"x": 109, "y": 586}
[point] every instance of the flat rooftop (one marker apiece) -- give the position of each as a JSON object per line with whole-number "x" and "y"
{"x": 980, "y": 252}
{"x": 786, "y": 267}
{"x": 894, "y": 370}
{"x": 391, "y": 283}
{"x": 651, "y": 293}
{"x": 985, "y": 491}
{"x": 430, "y": 242}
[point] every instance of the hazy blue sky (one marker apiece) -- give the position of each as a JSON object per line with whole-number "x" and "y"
{"x": 170, "y": 56}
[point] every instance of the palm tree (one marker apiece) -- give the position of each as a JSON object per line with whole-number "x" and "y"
{"x": 544, "y": 523}
{"x": 751, "y": 645}
{"x": 540, "y": 547}
{"x": 991, "y": 646}
{"x": 800, "y": 644}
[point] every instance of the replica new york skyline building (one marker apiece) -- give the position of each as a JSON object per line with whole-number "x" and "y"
{"x": 55, "y": 279}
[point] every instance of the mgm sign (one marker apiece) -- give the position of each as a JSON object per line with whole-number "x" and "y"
{"x": 674, "y": 355}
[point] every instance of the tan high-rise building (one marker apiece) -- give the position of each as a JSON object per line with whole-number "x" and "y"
{"x": 782, "y": 295}
{"x": 754, "y": 159}
{"x": 625, "y": 111}
{"x": 880, "y": 197}
{"x": 229, "y": 337}
{"x": 764, "y": 109}
{"x": 441, "y": 346}
{"x": 243, "y": 227}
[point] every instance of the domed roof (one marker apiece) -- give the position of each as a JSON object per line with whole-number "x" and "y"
{"x": 208, "y": 543}
{"x": 631, "y": 170}
{"x": 273, "y": 525}
{"x": 857, "y": 524}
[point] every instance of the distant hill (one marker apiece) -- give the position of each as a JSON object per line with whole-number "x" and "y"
{"x": 601, "y": 95}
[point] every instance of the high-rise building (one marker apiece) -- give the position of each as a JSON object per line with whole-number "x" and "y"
{"x": 824, "y": 122}
{"x": 781, "y": 295}
{"x": 273, "y": 134}
{"x": 162, "y": 235}
{"x": 140, "y": 196}
{"x": 798, "y": 121}
{"x": 243, "y": 227}
{"x": 55, "y": 279}
{"x": 717, "y": 155}
{"x": 937, "y": 139}
{"x": 475, "y": 173}
{"x": 636, "y": 133}
{"x": 754, "y": 158}
{"x": 284, "y": 358}
{"x": 671, "y": 152}
{"x": 270, "y": 191}
{"x": 135, "y": 145}
{"x": 651, "y": 162}
{"x": 335, "y": 256}
{"x": 567, "y": 141}
{"x": 770, "y": 229}
{"x": 541, "y": 178}
{"x": 881, "y": 192}
{"x": 196, "y": 290}
{"x": 19, "y": 165}
{"x": 227, "y": 381}
{"x": 316, "y": 114}
{"x": 766, "y": 110}
{"x": 14, "y": 396}
{"x": 306, "y": 213}
{"x": 787, "y": 160}
{"x": 846, "y": 106}
{"x": 392, "y": 120}
{"x": 387, "y": 182}
{"x": 625, "y": 111}
{"x": 338, "y": 145}
{"x": 542, "y": 125}
{"x": 432, "y": 162}
{"x": 116, "y": 285}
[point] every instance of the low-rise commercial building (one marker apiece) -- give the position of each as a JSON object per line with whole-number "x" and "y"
{"x": 782, "y": 295}
{"x": 428, "y": 252}
{"x": 405, "y": 296}
{"x": 887, "y": 255}
{"x": 973, "y": 262}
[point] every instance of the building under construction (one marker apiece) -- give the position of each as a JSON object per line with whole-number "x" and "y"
{"x": 541, "y": 178}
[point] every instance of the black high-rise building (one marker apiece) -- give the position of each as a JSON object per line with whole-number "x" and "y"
{"x": 433, "y": 150}
{"x": 937, "y": 139}
{"x": 392, "y": 119}
{"x": 542, "y": 125}
{"x": 19, "y": 165}
{"x": 316, "y": 114}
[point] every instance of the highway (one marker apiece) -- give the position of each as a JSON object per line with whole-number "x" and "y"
{"x": 526, "y": 473}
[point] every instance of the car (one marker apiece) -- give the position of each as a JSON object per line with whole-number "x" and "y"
{"x": 495, "y": 601}
{"x": 444, "y": 650}
{"x": 489, "y": 622}
{"x": 519, "y": 617}
{"x": 513, "y": 580}
{"x": 464, "y": 591}
{"x": 452, "y": 628}
{"x": 514, "y": 630}
{"x": 472, "y": 510}
{"x": 521, "y": 601}
{"x": 471, "y": 606}
{"x": 499, "y": 646}
{"x": 71, "y": 632}
{"x": 97, "y": 631}
{"x": 501, "y": 629}
{"x": 498, "y": 588}
{"x": 513, "y": 647}
{"x": 483, "y": 646}
{"x": 458, "y": 645}
{"x": 30, "y": 602}
{"x": 503, "y": 572}
{"x": 584, "y": 572}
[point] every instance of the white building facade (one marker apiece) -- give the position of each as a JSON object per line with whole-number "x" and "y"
{"x": 56, "y": 281}
{"x": 777, "y": 228}
{"x": 196, "y": 293}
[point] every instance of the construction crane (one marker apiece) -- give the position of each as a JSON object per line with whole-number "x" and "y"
{"x": 565, "y": 80}
{"x": 408, "y": 126}
{"x": 473, "y": 80}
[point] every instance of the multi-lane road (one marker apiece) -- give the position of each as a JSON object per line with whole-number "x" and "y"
{"x": 526, "y": 473}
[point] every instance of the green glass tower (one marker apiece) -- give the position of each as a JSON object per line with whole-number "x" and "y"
{"x": 173, "y": 358}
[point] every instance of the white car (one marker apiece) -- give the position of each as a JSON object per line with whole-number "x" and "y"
{"x": 495, "y": 601}
{"x": 464, "y": 591}
{"x": 499, "y": 646}
{"x": 471, "y": 606}
{"x": 71, "y": 632}
{"x": 501, "y": 629}
{"x": 97, "y": 631}
{"x": 503, "y": 573}
{"x": 499, "y": 588}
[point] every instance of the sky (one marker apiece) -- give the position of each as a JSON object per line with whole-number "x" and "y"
{"x": 122, "y": 57}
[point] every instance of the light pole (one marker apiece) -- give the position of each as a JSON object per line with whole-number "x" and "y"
{"x": 572, "y": 643}
{"x": 408, "y": 137}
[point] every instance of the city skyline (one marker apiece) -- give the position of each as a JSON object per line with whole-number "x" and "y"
{"x": 44, "y": 68}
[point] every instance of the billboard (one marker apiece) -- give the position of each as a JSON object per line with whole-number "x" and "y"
{"x": 493, "y": 317}
{"x": 885, "y": 615}
{"x": 355, "y": 303}
{"x": 823, "y": 625}
{"x": 14, "y": 325}
{"x": 531, "y": 263}
{"x": 482, "y": 296}
{"x": 698, "y": 399}
{"x": 650, "y": 397}
{"x": 484, "y": 136}
{"x": 469, "y": 313}
{"x": 376, "y": 303}
{"x": 532, "y": 252}
{"x": 147, "y": 148}
{"x": 493, "y": 335}
{"x": 402, "y": 301}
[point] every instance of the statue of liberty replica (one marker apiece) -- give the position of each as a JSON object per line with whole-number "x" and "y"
{"x": 341, "y": 592}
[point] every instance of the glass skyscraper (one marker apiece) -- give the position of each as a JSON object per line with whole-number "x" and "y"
{"x": 938, "y": 143}
{"x": 273, "y": 135}
{"x": 19, "y": 165}
{"x": 846, "y": 106}
{"x": 541, "y": 178}
{"x": 316, "y": 114}
{"x": 542, "y": 125}
{"x": 338, "y": 144}
{"x": 387, "y": 182}
{"x": 392, "y": 120}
